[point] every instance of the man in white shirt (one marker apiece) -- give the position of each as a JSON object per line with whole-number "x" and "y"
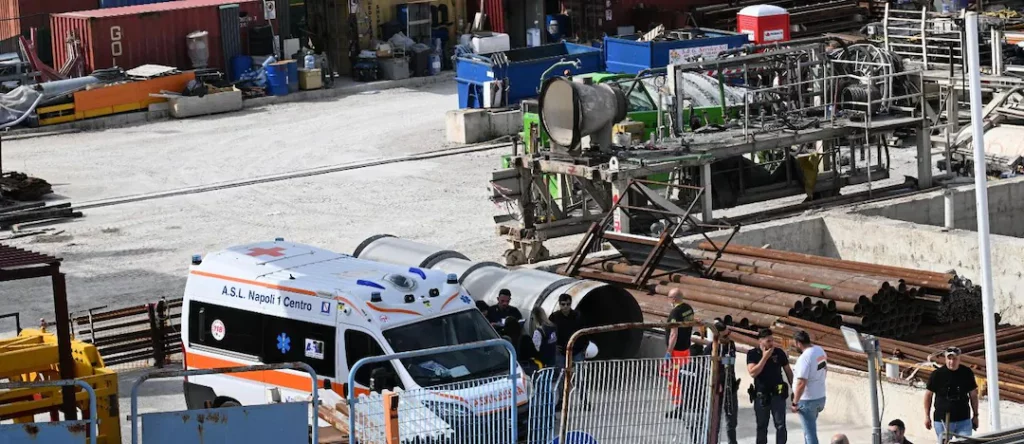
{"x": 809, "y": 390}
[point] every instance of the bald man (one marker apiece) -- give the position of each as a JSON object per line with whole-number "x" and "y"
{"x": 677, "y": 346}
{"x": 840, "y": 438}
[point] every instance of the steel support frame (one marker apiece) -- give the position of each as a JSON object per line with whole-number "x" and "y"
{"x": 63, "y": 323}
{"x": 678, "y": 218}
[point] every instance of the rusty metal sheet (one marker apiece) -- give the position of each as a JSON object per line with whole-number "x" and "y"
{"x": 273, "y": 423}
{"x": 64, "y": 432}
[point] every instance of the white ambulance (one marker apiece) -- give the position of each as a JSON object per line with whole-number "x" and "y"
{"x": 276, "y": 302}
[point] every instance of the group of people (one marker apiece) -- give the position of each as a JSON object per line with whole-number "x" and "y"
{"x": 778, "y": 388}
{"x": 951, "y": 390}
{"x": 545, "y": 345}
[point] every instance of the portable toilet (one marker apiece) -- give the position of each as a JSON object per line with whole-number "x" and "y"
{"x": 764, "y": 23}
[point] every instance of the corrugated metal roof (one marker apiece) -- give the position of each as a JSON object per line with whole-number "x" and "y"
{"x": 13, "y": 258}
{"x": 150, "y": 8}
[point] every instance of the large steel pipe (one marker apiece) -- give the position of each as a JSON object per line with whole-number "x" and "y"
{"x": 389, "y": 249}
{"x": 599, "y": 303}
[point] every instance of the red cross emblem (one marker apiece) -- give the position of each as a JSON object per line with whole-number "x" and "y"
{"x": 272, "y": 252}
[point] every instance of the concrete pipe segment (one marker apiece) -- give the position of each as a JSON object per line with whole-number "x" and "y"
{"x": 600, "y": 303}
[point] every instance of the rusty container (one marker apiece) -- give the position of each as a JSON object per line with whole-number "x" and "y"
{"x": 148, "y": 34}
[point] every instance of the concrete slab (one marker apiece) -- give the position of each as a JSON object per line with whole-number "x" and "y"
{"x": 1006, "y": 207}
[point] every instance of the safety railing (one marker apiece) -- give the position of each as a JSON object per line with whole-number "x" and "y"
{"x": 934, "y": 39}
{"x": 639, "y": 400}
{"x": 253, "y": 426}
{"x": 878, "y": 95}
{"x": 56, "y": 432}
{"x": 484, "y": 410}
{"x": 543, "y": 422}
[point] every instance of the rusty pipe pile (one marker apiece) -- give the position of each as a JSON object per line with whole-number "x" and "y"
{"x": 889, "y": 301}
{"x": 736, "y": 305}
{"x": 945, "y": 298}
{"x": 917, "y": 361}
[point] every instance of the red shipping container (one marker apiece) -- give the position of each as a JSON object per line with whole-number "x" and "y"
{"x": 495, "y": 10}
{"x": 764, "y": 23}
{"x": 18, "y": 16}
{"x": 148, "y": 34}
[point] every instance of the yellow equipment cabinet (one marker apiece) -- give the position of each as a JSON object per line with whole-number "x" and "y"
{"x": 31, "y": 357}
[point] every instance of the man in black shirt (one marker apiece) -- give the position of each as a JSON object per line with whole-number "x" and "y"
{"x": 770, "y": 392}
{"x": 503, "y": 315}
{"x": 956, "y": 398}
{"x": 567, "y": 322}
{"x": 727, "y": 381}
{"x": 677, "y": 346}
{"x": 899, "y": 431}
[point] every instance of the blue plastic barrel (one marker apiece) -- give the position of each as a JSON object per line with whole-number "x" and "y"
{"x": 239, "y": 65}
{"x": 293, "y": 75}
{"x": 277, "y": 79}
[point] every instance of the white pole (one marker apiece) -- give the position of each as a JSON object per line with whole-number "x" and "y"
{"x": 981, "y": 205}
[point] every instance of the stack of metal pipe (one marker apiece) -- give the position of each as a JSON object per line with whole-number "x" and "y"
{"x": 945, "y": 297}
{"x": 755, "y": 286}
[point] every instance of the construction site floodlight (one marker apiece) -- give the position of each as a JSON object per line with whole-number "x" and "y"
{"x": 854, "y": 341}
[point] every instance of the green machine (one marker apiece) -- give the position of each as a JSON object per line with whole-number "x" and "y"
{"x": 642, "y": 107}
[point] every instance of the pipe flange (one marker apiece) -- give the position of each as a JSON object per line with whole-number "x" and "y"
{"x": 366, "y": 243}
{"x": 439, "y": 256}
{"x": 550, "y": 288}
{"x": 478, "y": 266}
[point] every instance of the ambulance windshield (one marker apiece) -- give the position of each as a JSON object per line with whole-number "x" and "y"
{"x": 453, "y": 329}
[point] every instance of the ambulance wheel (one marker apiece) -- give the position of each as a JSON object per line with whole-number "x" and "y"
{"x": 224, "y": 401}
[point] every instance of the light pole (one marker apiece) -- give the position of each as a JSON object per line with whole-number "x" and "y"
{"x": 869, "y": 345}
{"x": 981, "y": 208}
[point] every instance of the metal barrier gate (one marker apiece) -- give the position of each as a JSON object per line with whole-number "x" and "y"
{"x": 56, "y": 432}
{"x": 277, "y": 423}
{"x": 484, "y": 410}
{"x": 638, "y": 400}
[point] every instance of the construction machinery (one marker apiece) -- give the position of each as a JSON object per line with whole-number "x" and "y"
{"x": 32, "y": 356}
{"x": 817, "y": 115}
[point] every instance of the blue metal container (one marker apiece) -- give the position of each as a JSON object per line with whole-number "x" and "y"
{"x": 628, "y": 56}
{"x": 277, "y": 79}
{"x": 293, "y": 75}
{"x": 239, "y": 65}
{"x": 120, "y": 3}
{"x": 521, "y": 74}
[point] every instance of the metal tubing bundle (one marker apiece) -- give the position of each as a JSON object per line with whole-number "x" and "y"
{"x": 878, "y": 299}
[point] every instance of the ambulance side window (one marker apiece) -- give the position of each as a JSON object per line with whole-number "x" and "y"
{"x": 359, "y": 345}
{"x": 290, "y": 340}
{"x": 225, "y": 328}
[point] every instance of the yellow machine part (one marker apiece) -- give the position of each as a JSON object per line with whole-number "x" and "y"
{"x": 32, "y": 356}
{"x": 809, "y": 166}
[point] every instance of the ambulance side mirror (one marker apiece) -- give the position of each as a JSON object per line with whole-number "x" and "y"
{"x": 327, "y": 384}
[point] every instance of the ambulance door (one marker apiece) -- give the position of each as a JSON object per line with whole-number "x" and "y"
{"x": 356, "y": 343}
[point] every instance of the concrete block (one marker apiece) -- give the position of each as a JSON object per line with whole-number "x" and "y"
{"x": 506, "y": 122}
{"x": 468, "y": 125}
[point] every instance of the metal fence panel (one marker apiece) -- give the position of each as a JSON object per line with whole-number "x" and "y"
{"x": 477, "y": 411}
{"x": 544, "y": 405}
{"x": 260, "y": 423}
{"x": 642, "y": 401}
{"x": 69, "y": 432}
{"x": 64, "y": 432}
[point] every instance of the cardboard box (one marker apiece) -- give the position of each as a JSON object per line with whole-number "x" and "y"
{"x": 310, "y": 79}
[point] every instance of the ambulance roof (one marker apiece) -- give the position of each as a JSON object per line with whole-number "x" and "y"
{"x": 383, "y": 293}
{"x": 762, "y": 11}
